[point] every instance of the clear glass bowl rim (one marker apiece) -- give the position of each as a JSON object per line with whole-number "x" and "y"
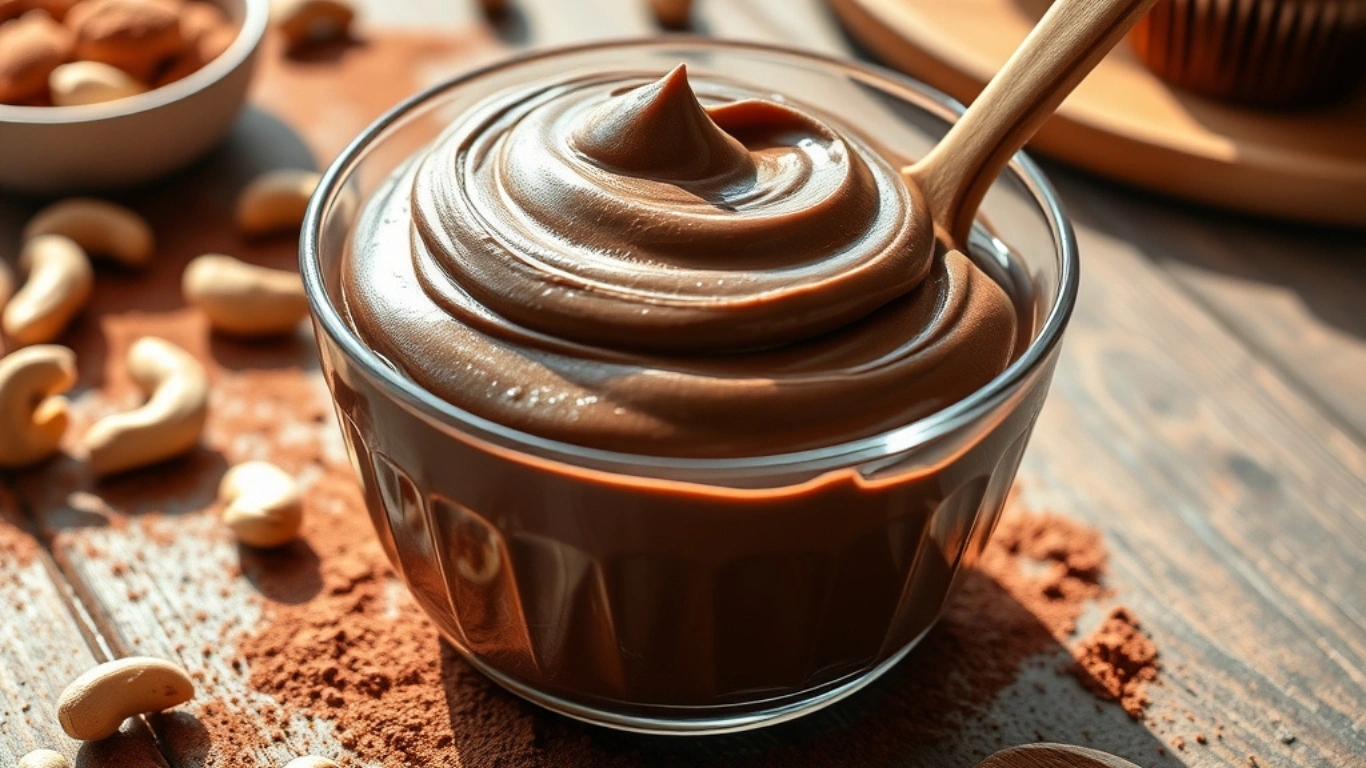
{"x": 897, "y": 440}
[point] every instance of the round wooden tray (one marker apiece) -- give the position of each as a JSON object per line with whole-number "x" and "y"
{"x": 1124, "y": 123}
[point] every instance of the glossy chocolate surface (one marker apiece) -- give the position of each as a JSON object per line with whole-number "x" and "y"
{"x": 605, "y": 261}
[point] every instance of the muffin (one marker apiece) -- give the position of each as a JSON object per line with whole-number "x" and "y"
{"x": 1267, "y": 53}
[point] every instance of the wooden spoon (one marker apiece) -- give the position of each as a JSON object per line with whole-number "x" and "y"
{"x": 1063, "y": 48}
{"x": 1053, "y": 756}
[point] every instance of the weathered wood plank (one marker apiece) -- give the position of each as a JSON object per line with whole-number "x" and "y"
{"x": 1293, "y": 293}
{"x": 1234, "y": 509}
{"x": 148, "y": 555}
{"x": 42, "y": 648}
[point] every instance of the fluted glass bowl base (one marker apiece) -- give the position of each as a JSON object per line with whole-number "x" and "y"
{"x": 698, "y": 721}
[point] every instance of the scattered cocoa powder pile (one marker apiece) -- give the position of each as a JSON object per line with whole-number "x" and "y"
{"x": 360, "y": 654}
{"x": 1069, "y": 561}
{"x": 219, "y": 733}
{"x": 371, "y": 663}
{"x": 1117, "y": 662}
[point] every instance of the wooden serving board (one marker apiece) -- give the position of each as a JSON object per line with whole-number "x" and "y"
{"x": 1125, "y": 123}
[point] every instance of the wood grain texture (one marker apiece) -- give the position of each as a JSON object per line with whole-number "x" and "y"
{"x": 148, "y": 553}
{"x": 1234, "y": 506}
{"x": 42, "y": 648}
{"x": 1233, "y": 509}
{"x": 1053, "y": 756}
{"x": 1293, "y": 294}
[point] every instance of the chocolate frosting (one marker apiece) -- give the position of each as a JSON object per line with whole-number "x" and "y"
{"x": 605, "y": 261}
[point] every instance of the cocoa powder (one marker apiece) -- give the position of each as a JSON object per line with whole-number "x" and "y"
{"x": 360, "y": 654}
{"x": 17, "y": 547}
{"x": 1117, "y": 662}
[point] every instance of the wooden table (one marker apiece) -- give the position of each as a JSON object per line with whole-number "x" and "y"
{"x": 1209, "y": 415}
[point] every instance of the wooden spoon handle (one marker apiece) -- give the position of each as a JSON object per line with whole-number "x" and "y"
{"x": 1053, "y": 756}
{"x": 1061, "y": 50}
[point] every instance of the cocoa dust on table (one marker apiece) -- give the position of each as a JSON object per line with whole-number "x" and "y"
{"x": 17, "y": 547}
{"x": 361, "y": 655}
{"x": 1117, "y": 661}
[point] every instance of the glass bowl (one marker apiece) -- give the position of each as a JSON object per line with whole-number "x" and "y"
{"x": 686, "y": 595}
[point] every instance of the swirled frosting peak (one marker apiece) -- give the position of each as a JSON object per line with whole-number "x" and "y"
{"x": 616, "y": 260}
{"x": 660, "y": 131}
{"x": 634, "y": 218}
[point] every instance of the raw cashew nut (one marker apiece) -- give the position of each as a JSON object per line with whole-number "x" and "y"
{"x": 100, "y": 227}
{"x": 202, "y": 18}
{"x": 265, "y": 507}
{"x": 44, "y": 758}
{"x": 96, "y": 703}
{"x": 57, "y": 9}
{"x": 275, "y": 201}
{"x": 312, "y": 21}
{"x": 133, "y": 35}
{"x": 59, "y": 283}
{"x": 207, "y": 35}
{"x": 32, "y": 417}
{"x": 167, "y": 425}
{"x": 30, "y": 48}
{"x": 311, "y": 761}
{"x": 90, "y": 82}
{"x": 244, "y": 299}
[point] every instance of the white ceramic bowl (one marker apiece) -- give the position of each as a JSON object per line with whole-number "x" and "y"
{"x": 58, "y": 150}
